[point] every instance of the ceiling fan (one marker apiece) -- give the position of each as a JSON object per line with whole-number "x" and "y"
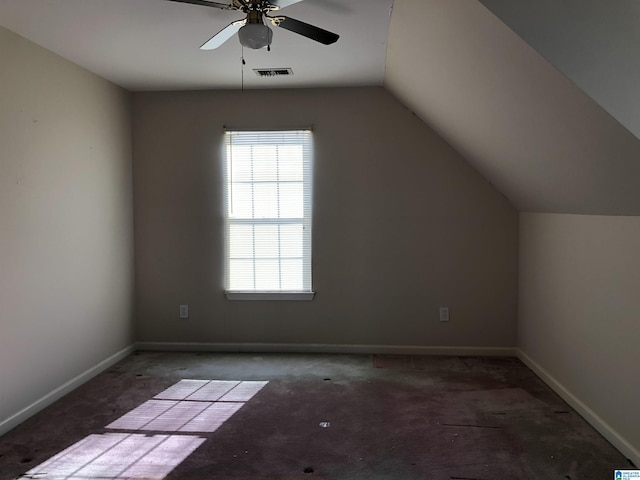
{"x": 252, "y": 31}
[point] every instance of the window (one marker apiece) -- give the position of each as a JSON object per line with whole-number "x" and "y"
{"x": 268, "y": 215}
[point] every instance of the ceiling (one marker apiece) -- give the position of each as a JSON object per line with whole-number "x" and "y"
{"x": 153, "y": 44}
{"x": 520, "y": 121}
{"x": 594, "y": 43}
{"x": 542, "y": 98}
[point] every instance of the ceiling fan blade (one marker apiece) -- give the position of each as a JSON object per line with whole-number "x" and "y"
{"x": 282, "y": 3}
{"x": 207, "y": 3}
{"x": 223, "y": 35}
{"x": 314, "y": 33}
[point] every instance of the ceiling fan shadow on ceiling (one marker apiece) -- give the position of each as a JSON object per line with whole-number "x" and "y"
{"x": 252, "y": 30}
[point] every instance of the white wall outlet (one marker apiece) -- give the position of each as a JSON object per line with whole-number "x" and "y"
{"x": 444, "y": 314}
{"x": 184, "y": 311}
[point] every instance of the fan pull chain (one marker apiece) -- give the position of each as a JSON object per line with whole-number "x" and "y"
{"x": 243, "y": 63}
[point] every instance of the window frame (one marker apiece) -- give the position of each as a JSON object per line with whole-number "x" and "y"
{"x": 290, "y": 295}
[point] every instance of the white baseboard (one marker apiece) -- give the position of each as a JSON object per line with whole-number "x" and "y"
{"x": 585, "y": 412}
{"x": 325, "y": 348}
{"x": 19, "y": 417}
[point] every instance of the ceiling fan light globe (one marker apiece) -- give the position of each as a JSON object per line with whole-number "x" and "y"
{"x": 255, "y": 35}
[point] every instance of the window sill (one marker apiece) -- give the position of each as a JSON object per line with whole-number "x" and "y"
{"x": 291, "y": 296}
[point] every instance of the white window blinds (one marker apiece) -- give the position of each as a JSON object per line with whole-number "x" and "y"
{"x": 268, "y": 211}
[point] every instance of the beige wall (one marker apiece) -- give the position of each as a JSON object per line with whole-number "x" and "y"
{"x": 402, "y": 225}
{"x": 66, "y": 277}
{"x": 580, "y": 315}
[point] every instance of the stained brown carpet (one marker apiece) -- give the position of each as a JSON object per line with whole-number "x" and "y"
{"x": 317, "y": 417}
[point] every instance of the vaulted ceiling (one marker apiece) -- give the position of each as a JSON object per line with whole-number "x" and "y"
{"x": 541, "y": 97}
{"x": 542, "y": 140}
{"x": 593, "y": 42}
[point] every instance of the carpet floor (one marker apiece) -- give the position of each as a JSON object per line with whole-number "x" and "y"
{"x": 192, "y": 416}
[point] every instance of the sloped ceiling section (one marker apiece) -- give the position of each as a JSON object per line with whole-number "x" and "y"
{"x": 593, "y": 42}
{"x": 524, "y": 125}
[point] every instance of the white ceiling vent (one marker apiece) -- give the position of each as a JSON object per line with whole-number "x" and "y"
{"x": 273, "y": 72}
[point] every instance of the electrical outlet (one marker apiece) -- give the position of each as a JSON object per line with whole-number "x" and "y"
{"x": 184, "y": 311}
{"x": 444, "y": 314}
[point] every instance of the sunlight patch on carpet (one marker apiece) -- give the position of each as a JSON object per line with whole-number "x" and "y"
{"x": 118, "y": 456}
